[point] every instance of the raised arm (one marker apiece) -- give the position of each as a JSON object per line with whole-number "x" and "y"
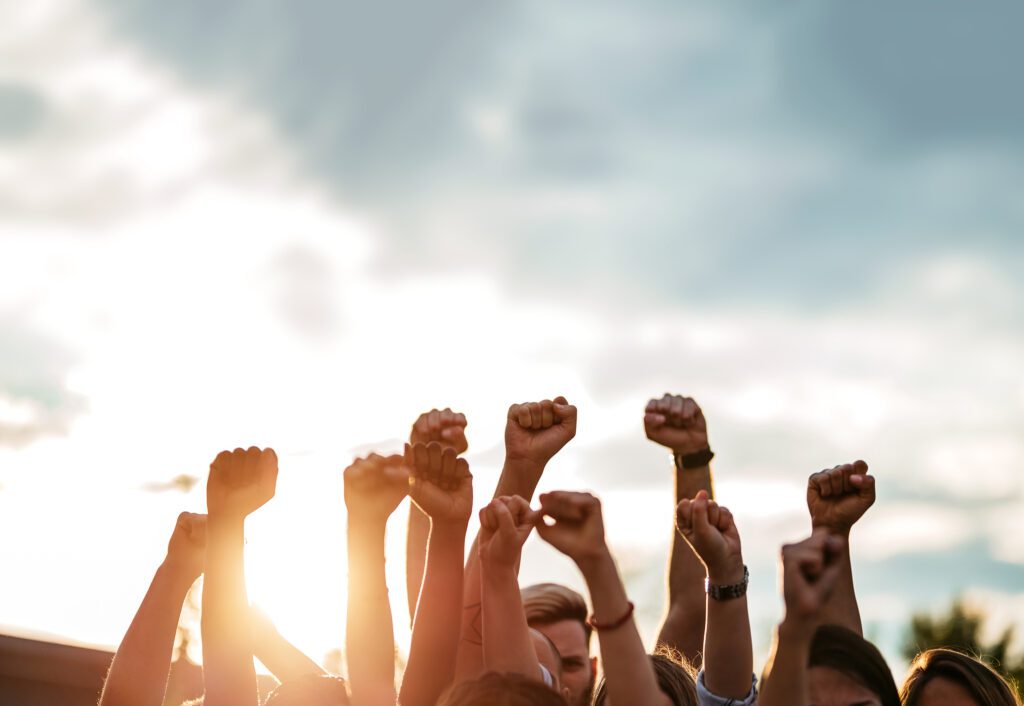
{"x": 578, "y": 532}
{"x": 810, "y": 571}
{"x": 240, "y": 482}
{"x": 138, "y": 674}
{"x": 836, "y": 499}
{"x": 728, "y": 653}
{"x": 505, "y": 525}
{"x": 447, "y": 428}
{"x": 442, "y": 487}
{"x": 678, "y": 424}
{"x": 374, "y": 487}
{"x": 534, "y": 433}
{"x": 284, "y": 660}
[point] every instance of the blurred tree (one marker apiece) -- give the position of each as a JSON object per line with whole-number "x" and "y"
{"x": 961, "y": 629}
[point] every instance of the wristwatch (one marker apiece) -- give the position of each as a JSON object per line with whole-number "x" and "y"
{"x": 697, "y": 459}
{"x": 727, "y": 593}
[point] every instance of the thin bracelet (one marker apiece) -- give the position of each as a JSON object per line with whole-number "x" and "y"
{"x": 594, "y": 625}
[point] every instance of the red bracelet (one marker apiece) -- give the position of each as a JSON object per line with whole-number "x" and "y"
{"x": 594, "y": 625}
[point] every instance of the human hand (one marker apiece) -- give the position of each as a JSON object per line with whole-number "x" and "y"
{"x": 444, "y": 426}
{"x": 809, "y": 572}
{"x": 839, "y": 496}
{"x": 676, "y": 422}
{"x": 578, "y": 527}
{"x": 536, "y": 431}
{"x": 710, "y": 529}
{"x": 186, "y": 551}
{"x": 240, "y": 482}
{"x": 505, "y": 524}
{"x": 374, "y": 487}
{"x": 440, "y": 484}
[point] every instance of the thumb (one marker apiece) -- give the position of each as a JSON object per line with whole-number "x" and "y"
{"x": 506, "y": 525}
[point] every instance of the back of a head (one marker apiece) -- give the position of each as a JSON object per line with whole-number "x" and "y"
{"x": 311, "y": 690}
{"x": 986, "y": 686}
{"x": 547, "y": 603}
{"x": 676, "y": 679}
{"x": 847, "y": 652}
{"x": 493, "y": 689}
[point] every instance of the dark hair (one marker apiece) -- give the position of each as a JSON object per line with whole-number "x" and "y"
{"x": 983, "y": 683}
{"x": 847, "y": 652}
{"x": 493, "y": 689}
{"x": 310, "y": 690}
{"x": 676, "y": 679}
{"x": 547, "y": 603}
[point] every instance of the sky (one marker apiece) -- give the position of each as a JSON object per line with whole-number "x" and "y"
{"x": 302, "y": 224}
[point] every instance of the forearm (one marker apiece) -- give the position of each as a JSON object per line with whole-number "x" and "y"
{"x": 728, "y": 652}
{"x": 841, "y": 607}
{"x": 785, "y": 678}
{"x": 683, "y": 628}
{"x": 138, "y": 673}
{"x": 228, "y": 673}
{"x": 629, "y": 676}
{"x": 506, "y": 636}
{"x": 518, "y": 477}
{"x": 435, "y": 635}
{"x": 284, "y": 660}
{"x": 415, "y": 556}
{"x": 369, "y": 633}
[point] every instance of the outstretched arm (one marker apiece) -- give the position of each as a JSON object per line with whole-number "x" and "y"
{"x": 677, "y": 423}
{"x": 284, "y": 660}
{"x": 442, "y": 487}
{"x": 836, "y": 499}
{"x": 809, "y": 573}
{"x": 505, "y": 525}
{"x": 374, "y": 487}
{"x": 534, "y": 433}
{"x": 138, "y": 674}
{"x": 239, "y": 483}
{"x": 578, "y": 532}
{"x": 728, "y": 652}
{"x": 447, "y": 428}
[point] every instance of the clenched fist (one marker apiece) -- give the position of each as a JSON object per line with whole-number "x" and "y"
{"x": 578, "y": 525}
{"x": 676, "y": 422}
{"x": 186, "y": 551}
{"x": 839, "y": 496}
{"x": 536, "y": 431}
{"x": 441, "y": 484}
{"x": 241, "y": 481}
{"x": 444, "y": 426}
{"x": 809, "y": 573}
{"x": 374, "y": 487}
{"x": 711, "y": 531}
{"x": 505, "y": 524}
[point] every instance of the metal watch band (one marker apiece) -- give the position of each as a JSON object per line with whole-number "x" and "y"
{"x": 727, "y": 593}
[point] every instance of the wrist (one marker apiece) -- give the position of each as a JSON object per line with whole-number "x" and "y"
{"x": 726, "y": 573}
{"x": 594, "y": 561}
{"x": 498, "y": 572}
{"x": 797, "y": 628}
{"x": 836, "y": 529}
{"x": 177, "y": 574}
{"x": 449, "y": 530}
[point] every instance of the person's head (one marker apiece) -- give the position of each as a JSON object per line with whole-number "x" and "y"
{"x": 310, "y": 690}
{"x": 551, "y": 660}
{"x": 845, "y": 669}
{"x": 561, "y": 614}
{"x": 950, "y": 678}
{"x": 676, "y": 679}
{"x": 493, "y": 689}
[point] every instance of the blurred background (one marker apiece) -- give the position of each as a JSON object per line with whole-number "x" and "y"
{"x": 300, "y": 224}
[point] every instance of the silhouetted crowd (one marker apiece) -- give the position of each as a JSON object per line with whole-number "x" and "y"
{"x": 478, "y": 639}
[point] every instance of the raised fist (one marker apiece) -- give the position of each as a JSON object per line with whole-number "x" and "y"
{"x": 374, "y": 487}
{"x": 444, "y": 426}
{"x": 505, "y": 524}
{"x": 578, "y": 526}
{"x": 186, "y": 551}
{"x": 441, "y": 484}
{"x": 809, "y": 572}
{"x": 240, "y": 481}
{"x": 536, "y": 431}
{"x": 711, "y": 531}
{"x": 838, "y": 497}
{"x": 676, "y": 422}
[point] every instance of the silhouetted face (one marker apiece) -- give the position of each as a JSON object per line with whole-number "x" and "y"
{"x": 943, "y": 692}
{"x": 830, "y": 687}
{"x": 578, "y": 670}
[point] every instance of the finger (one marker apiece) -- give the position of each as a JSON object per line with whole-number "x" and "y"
{"x": 523, "y": 414}
{"x": 835, "y": 479}
{"x": 420, "y": 428}
{"x": 690, "y": 409}
{"x": 675, "y": 412}
{"x": 684, "y": 515}
{"x": 654, "y": 420}
{"x": 505, "y": 523}
{"x": 700, "y": 512}
{"x": 713, "y": 513}
{"x": 563, "y": 411}
{"x": 820, "y": 483}
{"x": 421, "y": 462}
{"x": 563, "y": 505}
{"x": 652, "y": 406}
{"x": 435, "y": 450}
{"x": 449, "y": 477}
{"x": 535, "y": 415}
{"x": 462, "y": 469}
{"x": 547, "y": 414}
{"x": 864, "y": 485}
{"x": 665, "y": 404}
{"x": 725, "y": 519}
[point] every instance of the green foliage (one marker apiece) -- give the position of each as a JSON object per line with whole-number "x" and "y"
{"x": 961, "y": 629}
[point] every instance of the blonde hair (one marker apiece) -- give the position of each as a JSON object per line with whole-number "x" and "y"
{"x": 677, "y": 678}
{"x": 547, "y": 603}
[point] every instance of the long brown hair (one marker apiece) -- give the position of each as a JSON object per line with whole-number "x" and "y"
{"x": 676, "y": 679}
{"x": 985, "y": 685}
{"x": 847, "y": 652}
